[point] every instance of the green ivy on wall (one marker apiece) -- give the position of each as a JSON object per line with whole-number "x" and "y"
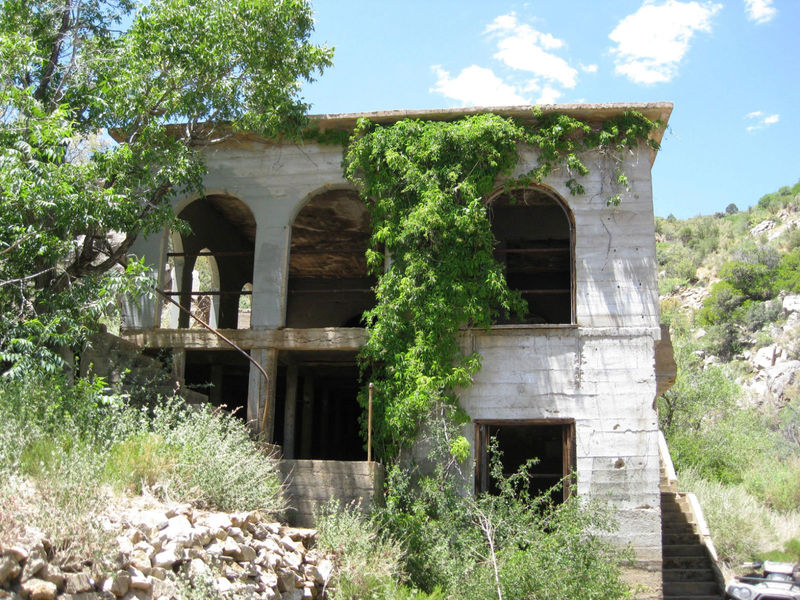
{"x": 425, "y": 184}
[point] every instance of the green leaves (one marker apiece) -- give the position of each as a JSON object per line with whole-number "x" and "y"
{"x": 72, "y": 200}
{"x": 426, "y": 184}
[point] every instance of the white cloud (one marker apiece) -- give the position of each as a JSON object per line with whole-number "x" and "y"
{"x": 761, "y": 121}
{"x": 549, "y": 95}
{"x": 653, "y": 41}
{"x": 588, "y": 68}
{"x": 477, "y": 86}
{"x": 523, "y": 48}
{"x": 760, "y": 11}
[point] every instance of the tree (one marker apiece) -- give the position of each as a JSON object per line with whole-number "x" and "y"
{"x": 169, "y": 78}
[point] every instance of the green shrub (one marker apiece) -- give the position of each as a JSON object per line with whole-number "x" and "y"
{"x": 217, "y": 464}
{"x": 520, "y": 544}
{"x": 776, "y": 483}
{"x": 753, "y": 315}
{"x": 751, "y": 278}
{"x": 719, "y": 306}
{"x": 788, "y": 273}
{"x": 367, "y": 560}
{"x": 742, "y": 527}
{"x": 723, "y": 340}
{"x": 140, "y": 462}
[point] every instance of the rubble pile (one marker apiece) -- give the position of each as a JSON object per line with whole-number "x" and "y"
{"x": 166, "y": 554}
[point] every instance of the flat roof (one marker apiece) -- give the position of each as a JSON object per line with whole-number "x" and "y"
{"x": 592, "y": 113}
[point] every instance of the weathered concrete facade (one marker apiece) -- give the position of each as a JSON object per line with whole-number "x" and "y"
{"x": 580, "y": 377}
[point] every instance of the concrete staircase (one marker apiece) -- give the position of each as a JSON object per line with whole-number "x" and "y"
{"x": 687, "y": 569}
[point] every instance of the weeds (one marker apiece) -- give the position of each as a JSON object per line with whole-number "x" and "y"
{"x": 64, "y": 450}
{"x": 742, "y": 527}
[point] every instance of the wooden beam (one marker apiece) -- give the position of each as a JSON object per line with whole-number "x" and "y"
{"x": 323, "y": 338}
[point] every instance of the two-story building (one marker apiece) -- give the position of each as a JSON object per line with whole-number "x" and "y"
{"x": 281, "y": 235}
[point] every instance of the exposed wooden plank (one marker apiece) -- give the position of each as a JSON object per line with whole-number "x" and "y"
{"x": 323, "y": 338}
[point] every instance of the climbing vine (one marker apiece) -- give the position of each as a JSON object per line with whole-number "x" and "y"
{"x": 425, "y": 184}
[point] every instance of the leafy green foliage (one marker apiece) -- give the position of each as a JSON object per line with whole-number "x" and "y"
{"x": 71, "y": 208}
{"x": 426, "y": 184}
{"x": 367, "y": 559}
{"x": 511, "y": 543}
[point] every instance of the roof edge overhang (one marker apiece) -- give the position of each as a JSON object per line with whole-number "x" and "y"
{"x": 591, "y": 113}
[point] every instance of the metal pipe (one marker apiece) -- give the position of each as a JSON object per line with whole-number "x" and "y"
{"x": 235, "y": 347}
{"x": 369, "y": 423}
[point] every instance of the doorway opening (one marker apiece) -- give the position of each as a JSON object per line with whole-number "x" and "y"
{"x": 550, "y": 442}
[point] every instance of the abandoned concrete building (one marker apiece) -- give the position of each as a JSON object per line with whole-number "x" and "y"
{"x": 281, "y": 236}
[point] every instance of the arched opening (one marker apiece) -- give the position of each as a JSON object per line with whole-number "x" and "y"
{"x": 245, "y": 306}
{"x": 205, "y": 281}
{"x": 217, "y": 252}
{"x": 209, "y": 268}
{"x": 535, "y": 242}
{"x": 328, "y": 281}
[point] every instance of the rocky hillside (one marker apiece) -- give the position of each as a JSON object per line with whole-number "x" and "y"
{"x": 730, "y": 282}
{"x": 730, "y": 291}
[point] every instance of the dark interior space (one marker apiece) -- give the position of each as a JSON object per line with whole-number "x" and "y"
{"x": 316, "y": 409}
{"x": 220, "y": 374}
{"x": 328, "y": 281}
{"x": 550, "y": 444}
{"x": 223, "y": 228}
{"x": 534, "y": 242}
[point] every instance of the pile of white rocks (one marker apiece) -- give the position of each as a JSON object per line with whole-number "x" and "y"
{"x": 163, "y": 553}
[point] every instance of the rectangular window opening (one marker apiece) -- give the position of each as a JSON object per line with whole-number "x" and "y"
{"x": 552, "y": 442}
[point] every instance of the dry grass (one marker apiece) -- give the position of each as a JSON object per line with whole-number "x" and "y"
{"x": 742, "y": 527}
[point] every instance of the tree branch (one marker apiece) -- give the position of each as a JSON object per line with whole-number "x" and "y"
{"x": 55, "y": 52}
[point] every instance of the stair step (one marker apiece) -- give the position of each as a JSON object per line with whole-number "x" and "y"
{"x": 672, "y": 539}
{"x": 686, "y": 562}
{"x": 690, "y": 588}
{"x": 683, "y": 550}
{"x": 696, "y": 573}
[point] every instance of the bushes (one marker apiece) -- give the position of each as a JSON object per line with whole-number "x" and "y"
{"x": 368, "y": 561}
{"x": 73, "y": 443}
{"x": 473, "y": 548}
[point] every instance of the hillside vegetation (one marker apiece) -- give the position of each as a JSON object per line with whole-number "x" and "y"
{"x": 729, "y": 285}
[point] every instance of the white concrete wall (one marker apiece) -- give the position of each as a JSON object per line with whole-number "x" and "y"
{"x": 605, "y": 381}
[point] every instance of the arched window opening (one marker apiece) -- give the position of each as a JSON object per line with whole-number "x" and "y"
{"x": 534, "y": 236}
{"x": 245, "y": 306}
{"x": 328, "y": 281}
{"x": 205, "y": 282}
{"x": 214, "y": 260}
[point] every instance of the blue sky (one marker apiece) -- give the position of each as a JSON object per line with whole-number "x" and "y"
{"x": 731, "y": 67}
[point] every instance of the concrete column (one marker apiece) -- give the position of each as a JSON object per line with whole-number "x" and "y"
{"x": 270, "y": 274}
{"x": 257, "y": 391}
{"x": 179, "y": 366}
{"x": 307, "y": 423}
{"x": 290, "y": 412}
{"x": 138, "y": 313}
